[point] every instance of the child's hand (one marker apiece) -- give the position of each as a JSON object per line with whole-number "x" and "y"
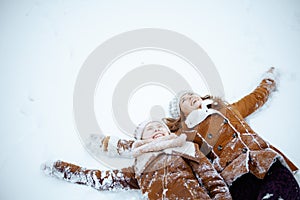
{"x": 98, "y": 142}
{"x": 47, "y": 167}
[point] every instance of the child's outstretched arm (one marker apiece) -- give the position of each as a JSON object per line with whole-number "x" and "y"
{"x": 100, "y": 180}
{"x": 110, "y": 145}
{"x": 210, "y": 178}
{"x": 256, "y": 99}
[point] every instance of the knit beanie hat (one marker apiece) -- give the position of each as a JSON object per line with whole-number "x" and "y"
{"x": 140, "y": 128}
{"x": 174, "y": 105}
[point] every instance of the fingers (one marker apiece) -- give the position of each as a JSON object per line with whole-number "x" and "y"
{"x": 271, "y": 70}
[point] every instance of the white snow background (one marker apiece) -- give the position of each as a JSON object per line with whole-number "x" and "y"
{"x": 43, "y": 45}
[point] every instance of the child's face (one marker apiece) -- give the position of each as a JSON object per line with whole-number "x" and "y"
{"x": 189, "y": 102}
{"x": 154, "y": 130}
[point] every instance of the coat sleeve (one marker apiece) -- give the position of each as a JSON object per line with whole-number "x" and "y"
{"x": 256, "y": 99}
{"x": 100, "y": 180}
{"x": 210, "y": 178}
{"x": 110, "y": 146}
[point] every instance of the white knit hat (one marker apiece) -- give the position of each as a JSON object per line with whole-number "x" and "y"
{"x": 174, "y": 107}
{"x": 140, "y": 128}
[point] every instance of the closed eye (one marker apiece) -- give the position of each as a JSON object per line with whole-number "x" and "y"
{"x": 149, "y": 128}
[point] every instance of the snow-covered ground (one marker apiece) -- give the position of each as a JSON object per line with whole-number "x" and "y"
{"x": 43, "y": 45}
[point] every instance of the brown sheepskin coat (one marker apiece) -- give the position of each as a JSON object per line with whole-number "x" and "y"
{"x": 175, "y": 173}
{"x": 226, "y": 138}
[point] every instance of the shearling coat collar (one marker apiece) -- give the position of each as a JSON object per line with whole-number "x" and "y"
{"x": 146, "y": 155}
{"x": 197, "y": 116}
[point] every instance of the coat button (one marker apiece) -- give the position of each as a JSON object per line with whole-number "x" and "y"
{"x": 220, "y": 147}
{"x": 245, "y": 150}
{"x": 209, "y": 135}
{"x": 234, "y": 135}
{"x": 225, "y": 121}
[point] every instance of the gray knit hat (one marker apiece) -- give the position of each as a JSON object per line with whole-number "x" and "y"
{"x": 174, "y": 108}
{"x": 140, "y": 128}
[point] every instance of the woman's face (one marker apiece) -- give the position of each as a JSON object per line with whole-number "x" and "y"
{"x": 154, "y": 130}
{"x": 189, "y": 102}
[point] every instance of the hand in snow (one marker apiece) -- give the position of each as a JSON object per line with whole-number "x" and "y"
{"x": 273, "y": 75}
{"x": 98, "y": 142}
{"x": 47, "y": 167}
{"x": 271, "y": 70}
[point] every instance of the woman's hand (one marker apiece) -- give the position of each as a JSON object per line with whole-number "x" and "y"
{"x": 273, "y": 76}
{"x": 271, "y": 70}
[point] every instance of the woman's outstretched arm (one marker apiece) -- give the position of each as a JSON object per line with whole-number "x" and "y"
{"x": 256, "y": 99}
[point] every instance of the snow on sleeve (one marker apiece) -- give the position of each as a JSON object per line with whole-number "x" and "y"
{"x": 267, "y": 196}
{"x": 111, "y": 180}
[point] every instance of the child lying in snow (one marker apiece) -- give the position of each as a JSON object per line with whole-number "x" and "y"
{"x": 166, "y": 167}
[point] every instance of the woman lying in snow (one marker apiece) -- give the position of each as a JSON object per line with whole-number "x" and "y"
{"x": 250, "y": 166}
{"x": 166, "y": 167}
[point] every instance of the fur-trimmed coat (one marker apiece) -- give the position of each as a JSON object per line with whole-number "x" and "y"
{"x": 226, "y": 138}
{"x": 173, "y": 173}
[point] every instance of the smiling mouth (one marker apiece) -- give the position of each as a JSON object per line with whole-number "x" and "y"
{"x": 157, "y": 135}
{"x": 194, "y": 101}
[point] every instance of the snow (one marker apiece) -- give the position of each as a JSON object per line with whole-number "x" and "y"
{"x": 267, "y": 196}
{"x": 43, "y": 45}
